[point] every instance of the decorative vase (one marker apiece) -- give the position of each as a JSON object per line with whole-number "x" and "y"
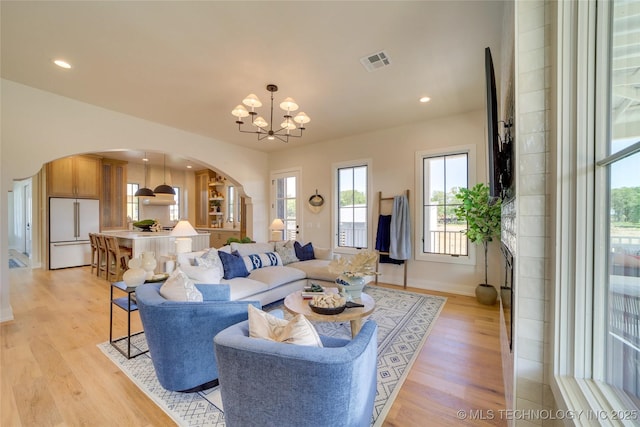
{"x": 350, "y": 285}
{"x": 149, "y": 264}
{"x": 135, "y": 275}
{"x": 486, "y": 294}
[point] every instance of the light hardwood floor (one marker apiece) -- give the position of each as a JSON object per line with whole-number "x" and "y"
{"x": 54, "y": 375}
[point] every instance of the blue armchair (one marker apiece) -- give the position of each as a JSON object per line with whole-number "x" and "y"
{"x": 180, "y": 334}
{"x": 265, "y": 383}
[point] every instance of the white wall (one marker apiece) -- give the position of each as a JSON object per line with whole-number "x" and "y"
{"x": 39, "y": 126}
{"x": 392, "y": 152}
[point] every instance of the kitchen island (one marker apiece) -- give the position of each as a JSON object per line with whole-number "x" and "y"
{"x": 161, "y": 243}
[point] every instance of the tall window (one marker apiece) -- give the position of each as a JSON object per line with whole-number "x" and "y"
{"x": 353, "y": 207}
{"x": 286, "y": 206}
{"x": 231, "y": 203}
{"x": 443, "y": 178}
{"x": 133, "y": 204}
{"x": 620, "y": 183}
{"x": 174, "y": 210}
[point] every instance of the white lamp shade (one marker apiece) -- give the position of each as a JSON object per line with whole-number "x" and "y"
{"x": 287, "y": 124}
{"x": 240, "y": 111}
{"x": 277, "y": 224}
{"x": 302, "y": 118}
{"x": 289, "y": 104}
{"x": 183, "y": 229}
{"x": 252, "y": 101}
{"x": 260, "y": 122}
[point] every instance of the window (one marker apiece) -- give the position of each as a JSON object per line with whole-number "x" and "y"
{"x": 285, "y": 206}
{"x": 597, "y": 314}
{"x": 620, "y": 184}
{"x": 133, "y": 204}
{"x": 174, "y": 210}
{"x": 441, "y": 175}
{"x": 352, "y": 183}
{"x": 231, "y": 200}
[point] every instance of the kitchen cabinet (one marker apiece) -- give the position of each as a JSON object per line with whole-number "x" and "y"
{"x": 210, "y": 206}
{"x": 75, "y": 176}
{"x": 113, "y": 197}
{"x": 219, "y": 237}
{"x": 202, "y": 197}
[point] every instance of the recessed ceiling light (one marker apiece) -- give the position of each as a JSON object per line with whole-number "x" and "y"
{"x": 62, "y": 64}
{"x": 189, "y": 166}
{"x": 425, "y": 99}
{"x": 144, "y": 159}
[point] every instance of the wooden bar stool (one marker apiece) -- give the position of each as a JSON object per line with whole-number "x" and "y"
{"x": 95, "y": 254}
{"x": 117, "y": 259}
{"x": 103, "y": 257}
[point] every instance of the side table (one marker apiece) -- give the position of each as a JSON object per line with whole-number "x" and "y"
{"x": 128, "y": 304}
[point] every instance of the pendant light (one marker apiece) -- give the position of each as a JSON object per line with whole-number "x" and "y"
{"x": 145, "y": 192}
{"x": 164, "y": 188}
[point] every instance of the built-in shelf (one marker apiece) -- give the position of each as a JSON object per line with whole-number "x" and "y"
{"x": 216, "y": 198}
{"x": 213, "y": 184}
{"x": 215, "y": 213}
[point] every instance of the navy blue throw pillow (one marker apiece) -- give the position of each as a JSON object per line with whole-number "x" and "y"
{"x": 233, "y": 265}
{"x": 304, "y": 253}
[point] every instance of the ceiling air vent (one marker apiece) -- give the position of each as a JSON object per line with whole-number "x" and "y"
{"x": 375, "y": 61}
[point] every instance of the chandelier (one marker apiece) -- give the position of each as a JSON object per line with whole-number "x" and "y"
{"x": 265, "y": 129}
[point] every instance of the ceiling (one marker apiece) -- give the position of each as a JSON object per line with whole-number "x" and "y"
{"x": 188, "y": 64}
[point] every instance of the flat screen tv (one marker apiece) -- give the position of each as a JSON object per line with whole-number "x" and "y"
{"x": 500, "y": 149}
{"x": 492, "y": 127}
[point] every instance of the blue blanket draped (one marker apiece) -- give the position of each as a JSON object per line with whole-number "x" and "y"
{"x": 400, "y": 230}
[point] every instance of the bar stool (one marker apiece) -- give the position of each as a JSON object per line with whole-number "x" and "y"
{"x": 117, "y": 259}
{"x": 103, "y": 257}
{"x": 95, "y": 254}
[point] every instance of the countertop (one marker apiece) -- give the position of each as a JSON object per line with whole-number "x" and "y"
{"x": 135, "y": 235}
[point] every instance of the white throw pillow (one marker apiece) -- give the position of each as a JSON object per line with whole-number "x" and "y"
{"x": 251, "y": 248}
{"x": 188, "y": 258}
{"x": 295, "y": 331}
{"x": 179, "y": 287}
{"x": 266, "y": 259}
{"x": 202, "y": 274}
{"x": 287, "y": 252}
{"x": 209, "y": 258}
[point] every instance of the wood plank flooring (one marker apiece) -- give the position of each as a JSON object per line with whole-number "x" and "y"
{"x": 53, "y": 374}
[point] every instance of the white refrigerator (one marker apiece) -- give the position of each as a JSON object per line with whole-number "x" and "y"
{"x": 70, "y": 222}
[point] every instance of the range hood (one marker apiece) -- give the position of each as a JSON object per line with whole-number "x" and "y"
{"x": 160, "y": 199}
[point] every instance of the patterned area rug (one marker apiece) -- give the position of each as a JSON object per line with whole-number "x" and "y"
{"x": 16, "y": 263}
{"x": 404, "y": 322}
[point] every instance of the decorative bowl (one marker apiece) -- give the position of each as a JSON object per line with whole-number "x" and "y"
{"x": 323, "y": 310}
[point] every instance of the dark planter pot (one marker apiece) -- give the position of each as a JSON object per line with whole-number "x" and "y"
{"x": 486, "y": 294}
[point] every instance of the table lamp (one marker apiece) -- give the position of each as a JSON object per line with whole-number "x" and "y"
{"x": 183, "y": 232}
{"x": 277, "y": 226}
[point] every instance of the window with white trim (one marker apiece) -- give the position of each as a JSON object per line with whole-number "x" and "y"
{"x": 352, "y": 209}
{"x": 441, "y": 175}
{"x": 133, "y": 203}
{"x": 597, "y": 287}
{"x": 174, "y": 210}
{"x": 620, "y": 184}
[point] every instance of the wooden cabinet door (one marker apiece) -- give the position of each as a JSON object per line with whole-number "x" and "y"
{"x": 202, "y": 198}
{"x": 113, "y": 212}
{"x": 60, "y": 180}
{"x": 75, "y": 176}
{"x": 86, "y": 172}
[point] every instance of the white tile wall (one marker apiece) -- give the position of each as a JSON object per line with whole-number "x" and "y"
{"x": 533, "y": 284}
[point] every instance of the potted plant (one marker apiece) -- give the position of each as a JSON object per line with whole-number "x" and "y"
{"x": 482, "y": 214}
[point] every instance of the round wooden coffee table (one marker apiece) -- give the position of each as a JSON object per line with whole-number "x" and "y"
{"x": 295, "y": 304}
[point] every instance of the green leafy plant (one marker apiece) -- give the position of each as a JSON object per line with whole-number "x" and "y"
{"x": 482, "y": 214}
